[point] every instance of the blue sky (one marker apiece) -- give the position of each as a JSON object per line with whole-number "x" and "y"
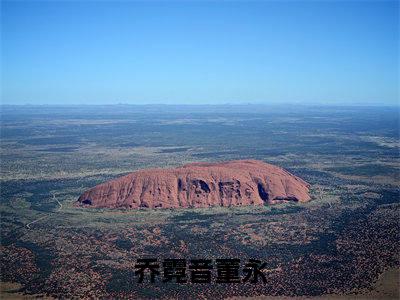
{"x": 317, "y": 52}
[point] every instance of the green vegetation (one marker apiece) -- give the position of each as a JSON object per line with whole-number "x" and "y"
{"x": 338, "y": 243}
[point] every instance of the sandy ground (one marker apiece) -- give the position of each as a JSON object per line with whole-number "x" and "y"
{"x": 387, "y": 287}
{"x": 7, "y": 291}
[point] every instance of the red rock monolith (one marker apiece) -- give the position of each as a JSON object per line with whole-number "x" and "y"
{"x": 231, "y": 183}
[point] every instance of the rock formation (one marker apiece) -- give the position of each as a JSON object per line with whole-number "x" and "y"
{"x": 231, "y": 183}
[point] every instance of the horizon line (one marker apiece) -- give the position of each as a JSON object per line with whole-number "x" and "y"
{"x": 211, "y": 104}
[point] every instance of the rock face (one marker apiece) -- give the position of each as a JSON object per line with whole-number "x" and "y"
{"x": 232, "y": 183}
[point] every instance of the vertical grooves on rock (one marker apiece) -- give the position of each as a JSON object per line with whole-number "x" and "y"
{"x": 200, "y": 185}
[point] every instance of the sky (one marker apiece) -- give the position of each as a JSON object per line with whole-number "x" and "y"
{"x": 200, "y": 52}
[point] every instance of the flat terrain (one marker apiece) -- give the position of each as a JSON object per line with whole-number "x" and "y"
{"x": 341, "y": 243}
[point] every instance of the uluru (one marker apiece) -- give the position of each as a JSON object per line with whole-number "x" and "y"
{"x": 230, "y": 183}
